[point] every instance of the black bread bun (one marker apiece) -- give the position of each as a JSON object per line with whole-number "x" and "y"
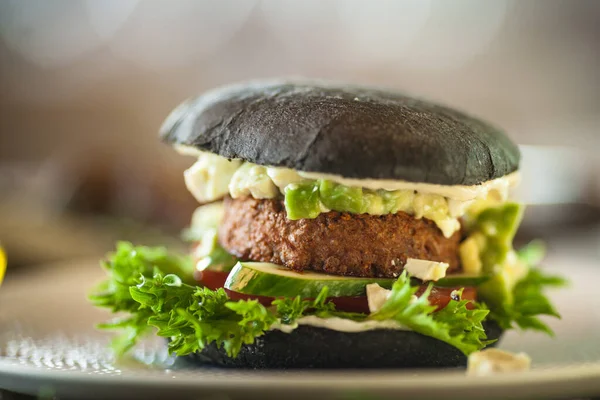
{"x": 310, "y": 347}
{"x": 344, "y": 130}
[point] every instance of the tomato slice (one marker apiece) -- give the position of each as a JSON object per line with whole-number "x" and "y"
{"x": 439, "y": 296}
{"x": 211, "y": 279}
{"x": 264, "y": 300}
{"x": 357, "y": 304}
{"x": 352, "y": 304}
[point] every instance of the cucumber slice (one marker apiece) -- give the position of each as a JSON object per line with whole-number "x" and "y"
{"x": 266, "y": 279}
{"x": 462, "y": 280}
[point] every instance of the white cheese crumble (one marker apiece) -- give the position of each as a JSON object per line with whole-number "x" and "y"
{"x": 426, "y": 270}
{"x": 252, "y": 180}
{"x": 376, "y": 296}
{"x": 282, "y": 177}
{"x": 494, "y": 361}
{"x": 208, "y": 179}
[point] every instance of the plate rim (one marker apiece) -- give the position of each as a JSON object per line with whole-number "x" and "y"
{"x": 582, "y": 379}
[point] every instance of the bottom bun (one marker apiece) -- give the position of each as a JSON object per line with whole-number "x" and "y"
{"x": 310, "y": 347}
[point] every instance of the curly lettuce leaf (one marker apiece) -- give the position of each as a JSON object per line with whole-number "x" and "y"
{"x": 144, "y": 283}
{"x": 529, "y": 302}
{"x": 128, "y": 267}
{"x": 533, "y": 253}
{"x": 288, "y": 310}
{"x": 454, "y": 324}
{"x": 151, "y": 288}
{"x": 190, "y": 316}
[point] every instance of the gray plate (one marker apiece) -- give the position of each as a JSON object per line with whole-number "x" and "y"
{"x": 48, "y": 346}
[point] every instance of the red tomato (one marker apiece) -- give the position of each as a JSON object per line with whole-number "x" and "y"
{"x": 357, "y": 304}
{"x": 211, "y": 279}
{"x": 264, "y": 300}
{"x": 347, "y": 303}
{"x": 440, "y": 297}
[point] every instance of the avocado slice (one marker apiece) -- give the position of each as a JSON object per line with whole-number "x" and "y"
{"x": 302, "y": 200}
{"x": 499, "y": 225}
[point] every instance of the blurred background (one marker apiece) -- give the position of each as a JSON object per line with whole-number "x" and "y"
{"x": 85, "y": 85}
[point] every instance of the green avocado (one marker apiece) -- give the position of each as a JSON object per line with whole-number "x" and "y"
{"x": 499, "y": 226}
{"x": 341, "y": 198}
{"x": 309, "y": 199}
{"x": 302, "y": 200}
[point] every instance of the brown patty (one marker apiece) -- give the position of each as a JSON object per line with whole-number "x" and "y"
{"x": 334, "y": 242}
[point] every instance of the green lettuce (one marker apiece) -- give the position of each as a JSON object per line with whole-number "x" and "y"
{"x": 203, "y": 232}
{"x": 454, "y": 324}
{"x": 215, "y": 258}
{"x": 155, "y": 290}
{"x": 515, "y": 290}
{"x": 127, "y": 267}
{"x": 528, "y": 298}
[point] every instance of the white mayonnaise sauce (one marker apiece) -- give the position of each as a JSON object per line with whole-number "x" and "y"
{"x": 339, "y": 324}
{"x": 213, "y": 177}
{"x": 456, "y": 192}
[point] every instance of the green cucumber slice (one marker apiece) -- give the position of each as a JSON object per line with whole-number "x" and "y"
{"x": 266, "y": 279}
{"x": 462, "y": 280}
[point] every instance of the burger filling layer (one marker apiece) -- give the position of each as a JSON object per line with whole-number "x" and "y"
{"x": 334, "y": 242}
{"x": 285, "y": 248}
{"x": 306, "y": 195}
{"x": 303, "y": 221}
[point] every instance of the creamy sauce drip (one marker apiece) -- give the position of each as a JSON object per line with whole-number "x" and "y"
{"x": 339, "y": 324}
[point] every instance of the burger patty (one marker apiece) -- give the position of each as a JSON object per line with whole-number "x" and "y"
{"x": 335, "y": 242}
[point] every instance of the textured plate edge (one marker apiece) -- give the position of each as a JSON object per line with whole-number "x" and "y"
{"x": 564, "y": 381}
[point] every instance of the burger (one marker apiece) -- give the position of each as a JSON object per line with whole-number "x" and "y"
{"x": 338, "y": 227}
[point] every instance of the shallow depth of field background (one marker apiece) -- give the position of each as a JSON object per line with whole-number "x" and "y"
{"x": 85, "y": 84}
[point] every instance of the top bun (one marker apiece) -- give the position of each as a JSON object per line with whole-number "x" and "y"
{"x": 351, "y": 131}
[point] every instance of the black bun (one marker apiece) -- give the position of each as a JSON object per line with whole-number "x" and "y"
{"x": 310, "y": 347}
{"x": 349, "y": 131}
